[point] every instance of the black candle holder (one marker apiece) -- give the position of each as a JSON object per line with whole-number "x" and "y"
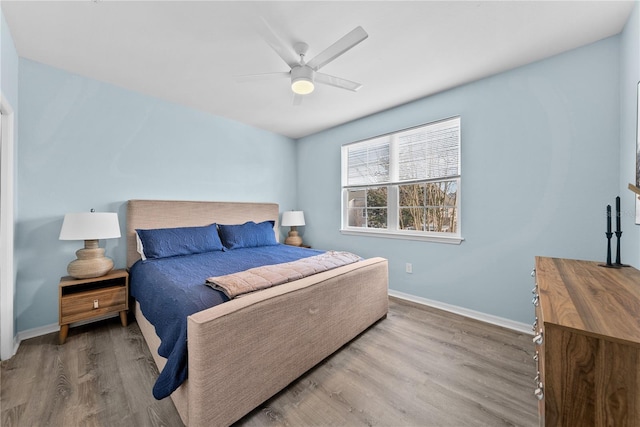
{"x": 618, "y": 263}
{"x": 608, "y": 264}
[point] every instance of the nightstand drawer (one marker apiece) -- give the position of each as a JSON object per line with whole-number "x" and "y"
{"x": 86, "y": 305}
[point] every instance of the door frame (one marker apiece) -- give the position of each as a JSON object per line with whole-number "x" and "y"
{"x": 8, "y": 344}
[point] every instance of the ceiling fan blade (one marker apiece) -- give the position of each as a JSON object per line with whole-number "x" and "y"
{"x": 264, "y": 76}
{"x": 338, "y": 48}
{"x": 337, "y": 82}
{"x": 297, "y": 99}
{"x": 281, "y": 48}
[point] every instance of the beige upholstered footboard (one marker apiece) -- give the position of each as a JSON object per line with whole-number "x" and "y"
{"x": 273, "y": 336}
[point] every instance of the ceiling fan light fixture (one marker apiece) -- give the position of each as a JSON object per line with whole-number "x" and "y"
{"x": 302, "y": 80}
{"x": 302, "y": 86}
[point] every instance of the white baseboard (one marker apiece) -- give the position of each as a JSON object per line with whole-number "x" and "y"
{"x": 36, "y": 332}
{"x": 16, "y": 344}
{"x": 54, "y": 327}
{"x": 483, "y": 317}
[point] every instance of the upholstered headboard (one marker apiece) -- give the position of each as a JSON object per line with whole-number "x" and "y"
{"x": 148, "y": 214}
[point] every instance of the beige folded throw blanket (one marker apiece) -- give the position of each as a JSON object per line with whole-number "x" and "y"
{"x": 257, "y": 278}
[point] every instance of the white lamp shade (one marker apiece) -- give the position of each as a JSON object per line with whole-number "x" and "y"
{"x": 292, "y": 218}
{"x": 90, "y": 226}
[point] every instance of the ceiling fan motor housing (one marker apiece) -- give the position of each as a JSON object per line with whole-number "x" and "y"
{"x": 302, "y": 79}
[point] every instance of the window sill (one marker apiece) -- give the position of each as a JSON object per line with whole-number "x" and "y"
{"x": 452, "y": 240}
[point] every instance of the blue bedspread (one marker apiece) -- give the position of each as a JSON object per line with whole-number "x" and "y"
{"x": 170, "y": 289}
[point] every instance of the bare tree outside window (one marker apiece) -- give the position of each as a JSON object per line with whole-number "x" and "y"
{"x": 428, "y": 207}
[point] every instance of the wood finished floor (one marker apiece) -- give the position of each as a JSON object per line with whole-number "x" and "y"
{"x": 418, "y": 367}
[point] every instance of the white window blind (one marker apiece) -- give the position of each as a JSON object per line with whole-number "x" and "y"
{"x": 423, "y": 153}
{"x": 429, "y": 152}
{"x": 368, "y": 163}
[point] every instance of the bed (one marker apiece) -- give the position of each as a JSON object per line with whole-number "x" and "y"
{"x": 242, "y": 352}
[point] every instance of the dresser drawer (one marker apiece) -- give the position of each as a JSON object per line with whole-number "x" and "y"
{"x": 85, "y": 305}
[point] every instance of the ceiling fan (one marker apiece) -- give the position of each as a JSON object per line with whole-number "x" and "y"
{"x": 303, "y": 74}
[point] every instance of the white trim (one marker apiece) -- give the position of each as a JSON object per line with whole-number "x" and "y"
{"x": 8, "y": 345}
{"x": 36, "y": 332}
{"x": 16, "y": 344}
{"x": 477, "y": 315}
{"x": 54, "y": 327}
{"x": 374, "y": 232}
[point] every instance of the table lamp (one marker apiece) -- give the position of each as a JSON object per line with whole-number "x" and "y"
{"x": 293, "y": 219}
{"x": 90, "y": 227}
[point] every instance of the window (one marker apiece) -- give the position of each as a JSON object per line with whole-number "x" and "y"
{"x": 405, "y": 184}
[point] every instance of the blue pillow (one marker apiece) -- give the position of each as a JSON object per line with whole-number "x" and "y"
{"x": 248, "y": 235}
{"x": 168, "y": 242}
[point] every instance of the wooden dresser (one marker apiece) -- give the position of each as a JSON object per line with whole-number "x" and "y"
{"x": 587, "y": 343}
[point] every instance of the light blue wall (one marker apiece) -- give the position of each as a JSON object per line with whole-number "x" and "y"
{"x": 629, "y": 78}
{"x": 86, "y": 144}
{"x": 540, "y": 162}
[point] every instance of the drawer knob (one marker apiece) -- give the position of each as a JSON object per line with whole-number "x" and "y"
{"x": 533, "y": 273}
{"x": 539, "y": 392}
{"x": 536, "y": 356}
{"x": 536, "y": 300}
{"x": 95, "y": 303}
{"x": 538, "y": 339}
{"x": 534, "y": 290}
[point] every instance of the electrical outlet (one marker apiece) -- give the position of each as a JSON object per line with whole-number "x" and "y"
{"x": 408, "y": 268}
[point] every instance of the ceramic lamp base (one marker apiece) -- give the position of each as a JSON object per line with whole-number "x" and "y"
{"x": 91, "y": 262}
{"x": 293, "y": 239}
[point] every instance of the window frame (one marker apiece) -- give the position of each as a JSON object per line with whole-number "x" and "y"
{"x": 393, "y": 198}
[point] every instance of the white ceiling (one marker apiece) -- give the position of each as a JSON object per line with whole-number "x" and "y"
{"x": 189, "y": 52}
